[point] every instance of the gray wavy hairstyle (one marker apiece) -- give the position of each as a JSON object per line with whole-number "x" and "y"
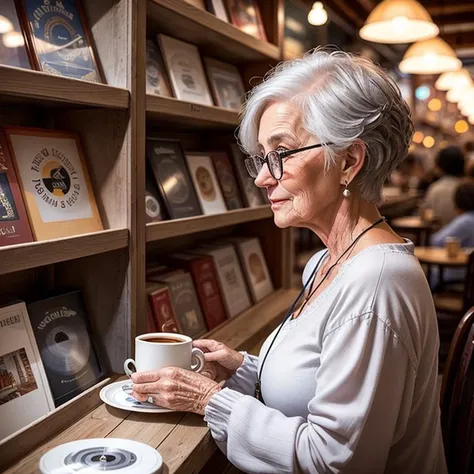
{"x": 342, "y": 98}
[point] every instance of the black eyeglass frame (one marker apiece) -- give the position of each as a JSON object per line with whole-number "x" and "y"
{"x": 252, "y": 160}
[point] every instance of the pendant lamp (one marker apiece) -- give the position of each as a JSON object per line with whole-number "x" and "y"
{"x": 432, "y": 56}
{"x": 453, "y": 79}
{"x": 398, "y": 21}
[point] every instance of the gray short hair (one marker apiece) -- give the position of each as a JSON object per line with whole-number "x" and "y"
{"x": 342, "y": 98}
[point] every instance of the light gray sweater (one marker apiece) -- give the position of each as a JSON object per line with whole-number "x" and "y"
{"x": 350, "y": 385}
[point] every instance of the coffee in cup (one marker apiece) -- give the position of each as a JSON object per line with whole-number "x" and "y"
{"x": 155, "y": 351}
{"x": 453, "y": 246}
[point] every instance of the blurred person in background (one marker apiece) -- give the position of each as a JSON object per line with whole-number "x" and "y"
{"x": 408, "y": 173}
{"x": 440, "y": 195}
{"x": 461, "y": 227}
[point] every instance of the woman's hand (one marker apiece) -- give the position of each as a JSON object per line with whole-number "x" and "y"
{"x": 174, "y": 388}
{"x": 221, "y": 361}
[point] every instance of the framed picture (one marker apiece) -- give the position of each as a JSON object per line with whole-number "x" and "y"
{"x": 226, "y": 178}
{"x": 226, "y": 84}
{"x": 157, "y": 82}
{"x": 217, "y": 8}
{"x": 205, "y": 182}
{"x": 185, "y": 70}
{"x": 54, "y": 181}
{"x": 245, "y": 15}
{"x": 168, "y": 163}
{"x": 59, "y": 40}
{"x": 13, "y": 50}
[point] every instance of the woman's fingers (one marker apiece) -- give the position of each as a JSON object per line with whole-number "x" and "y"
{"x": 217, "y": 356}
{"x": 143, "y": 377}
{"x": 207, "y": 344}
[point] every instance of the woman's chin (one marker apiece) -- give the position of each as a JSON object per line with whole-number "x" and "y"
{"x": 282, "y": 220}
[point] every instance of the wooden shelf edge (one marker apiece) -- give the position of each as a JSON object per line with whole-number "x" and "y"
{"x": 179, "y": 227}
{"x": 37, "y": 85}
{"x": 22, "y": 442}
{"x": 35, "y": 254}
{"x": 168, "y": 108}
{"x": 243, "y": 45}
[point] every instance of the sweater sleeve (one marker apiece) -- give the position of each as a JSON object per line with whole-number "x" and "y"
{"x": 243, "y": 381}
{"x": 343, "y": 432}
{"x": 458, "y": 228}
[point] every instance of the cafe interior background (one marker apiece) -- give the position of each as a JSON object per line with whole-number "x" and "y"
{"x": 114, "y": 106}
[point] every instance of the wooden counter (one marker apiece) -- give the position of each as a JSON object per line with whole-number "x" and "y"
{"x": 183, "y": 439}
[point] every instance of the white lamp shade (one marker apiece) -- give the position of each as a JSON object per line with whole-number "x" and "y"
{"x": 432, "y": 56}
{"x": 453, "y": 79}
{"x": 471, "y": 119}
{"x": 467, "y": 98}
{"x": 398, "y": 21}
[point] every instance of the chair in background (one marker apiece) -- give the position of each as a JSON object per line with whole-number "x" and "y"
{"x": 457, "y": 399}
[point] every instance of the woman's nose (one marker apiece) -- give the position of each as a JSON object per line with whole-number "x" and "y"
{"x": 265, "y": 178}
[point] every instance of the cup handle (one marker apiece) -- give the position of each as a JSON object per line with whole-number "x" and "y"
{"x": 127, "y": 369}
{"x": 197, "y": 360}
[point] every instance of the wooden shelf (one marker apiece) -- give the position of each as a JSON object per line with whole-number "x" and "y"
{"x": 178, "y": 227}
{"x": 183, "y": 440}
{"x": 167, "y": 109}
{"x": 213, "y": 36}
{"x": 35, "y": 254}
{"x": 23, "y": 85}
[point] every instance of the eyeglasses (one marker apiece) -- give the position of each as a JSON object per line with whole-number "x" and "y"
{"x": 274, "y": 160}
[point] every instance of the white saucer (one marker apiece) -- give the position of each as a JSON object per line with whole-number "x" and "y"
{"x": 114, "y": 396}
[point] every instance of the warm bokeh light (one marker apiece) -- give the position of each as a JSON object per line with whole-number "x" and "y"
{"x": 318, "y": 15}
{"x": 418, "y": 136}
{"x": 454, "y": 79}
{"x": 428, "y": 141}
{"x": 443, "y": 143}
{"x": 5, "y": 24}
{"x": 13, "y": 39}
{"x": 461, "y": 126}
{"x": 471, "y": 119}
{"x": 434, "y": 105}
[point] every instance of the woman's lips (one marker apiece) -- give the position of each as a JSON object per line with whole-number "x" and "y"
{"x": 277, "y": 202}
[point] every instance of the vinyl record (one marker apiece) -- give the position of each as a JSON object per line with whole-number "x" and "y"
{"x": 67, "y": 348}
{"x": 90, "y": 456}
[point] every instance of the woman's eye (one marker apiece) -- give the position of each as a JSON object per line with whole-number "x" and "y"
{"x": 281, "y": 148}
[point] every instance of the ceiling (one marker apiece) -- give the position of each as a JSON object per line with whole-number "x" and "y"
{"x": 455, "y": 19}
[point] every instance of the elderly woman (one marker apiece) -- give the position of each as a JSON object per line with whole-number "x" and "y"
{"x": 347, "y": 383}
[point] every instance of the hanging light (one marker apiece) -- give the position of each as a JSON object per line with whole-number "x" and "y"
{"x": 13, "y": 39}
{"x": 5, "y": 25}
{"x": 450, "y": 80}
{"x": 455, "y": 95}
{"x": 398, "y": 21}
{"x": 471, "y": 119}
{"x": 467, "y": 98}
{"x": 318, "y": 16}
{"x": 432, "y": 56}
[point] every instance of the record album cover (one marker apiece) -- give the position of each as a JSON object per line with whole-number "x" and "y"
{"x": 14, "y": 225}
{"x": 62, "y": 333}
{"x": 205, "y": 182}
{"x": 157, "y": 82}
{"x": 153, "y": 205}
{"x": 161, "y": 307}
{"x": 225, "y": 175}
{"x": 54, "y": 182}
{"x": 59, "y": 38}
{"x": 25, "y": 395}
{"x": 168, "y": 163}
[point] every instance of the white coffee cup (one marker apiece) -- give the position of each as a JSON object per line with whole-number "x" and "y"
{"x": 151, "y": 355}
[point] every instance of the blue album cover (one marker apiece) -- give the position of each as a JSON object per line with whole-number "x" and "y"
{"x": 59, "y": 38}
{"x": 8, "y": 210}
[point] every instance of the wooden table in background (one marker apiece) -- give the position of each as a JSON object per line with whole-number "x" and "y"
{"x": 415, "y": 225}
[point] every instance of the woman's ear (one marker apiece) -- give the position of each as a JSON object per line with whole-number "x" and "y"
{"x": 353, "y": 161}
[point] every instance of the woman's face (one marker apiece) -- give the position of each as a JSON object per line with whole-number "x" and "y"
{"x": 306, "y": 192}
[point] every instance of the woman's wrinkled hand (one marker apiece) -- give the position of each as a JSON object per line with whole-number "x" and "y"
{"x": 174, "y": 388}
{"x": 221, "y": 361}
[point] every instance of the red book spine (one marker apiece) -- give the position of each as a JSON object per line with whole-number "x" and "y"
{"x": 150, "y": 322}
{"x": 209, "y": 294}
{"x": 162, "y": 310}
{"x": 14, "y": 224}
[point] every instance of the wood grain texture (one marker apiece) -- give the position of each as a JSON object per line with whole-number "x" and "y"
{"x": 179, "y": 112}
{"x": 46, "y": 427}
{"x": 35, "y": 85}
{"x": 439, "y": 256}
{"x": 212, "y": 35}
{"x": 35, "y": 254}
{"x": 179, "y": 227}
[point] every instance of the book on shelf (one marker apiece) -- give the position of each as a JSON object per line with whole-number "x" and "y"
{"x": 13, "y": 50}
{"x": 150, "y": 322}
{"x": 25, "y": 394}
{"x": 231, "y": 279}
{"x": 67, "y": 350}
{"x": 254, "y": 265}
{"x": 59, "y": 39}
{"x": 245, "y": 15}
{"x": 225, "y": 175}
{"x": 250, "y": 192}
{"x": 54, "y": 182}
{"x": 14, "y": 224}
{"x": 161, "y": 307}
{"x": 185, "y": 303}
{"x": 205, "y": 182}
{"x": 217, "y": 8}
{"x": 157, "y": 82}
{"x": 168, "y": 164}
{"x": 203, "y": 272}
{"x": 185, "y": 70}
